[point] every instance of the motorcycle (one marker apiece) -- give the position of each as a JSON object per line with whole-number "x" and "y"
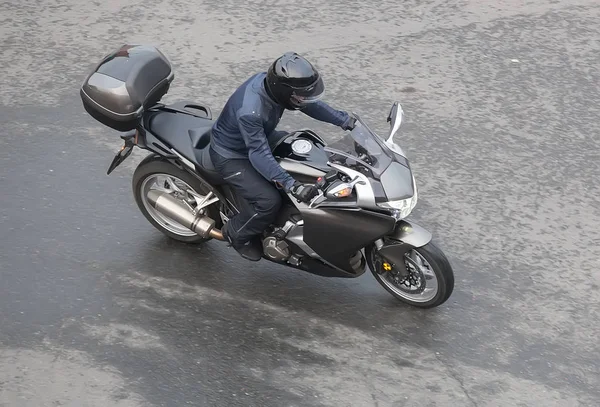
{"x": 357, "y": 221}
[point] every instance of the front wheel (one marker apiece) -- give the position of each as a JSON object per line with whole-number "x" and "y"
{"x": 430, "y": 279}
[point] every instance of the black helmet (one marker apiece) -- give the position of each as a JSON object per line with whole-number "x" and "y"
{"x": 293, "y": 82}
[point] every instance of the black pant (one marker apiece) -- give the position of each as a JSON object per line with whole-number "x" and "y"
{"x": 263, "y": 198}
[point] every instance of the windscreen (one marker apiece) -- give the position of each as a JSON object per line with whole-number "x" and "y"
{"x": 361, "y": 151}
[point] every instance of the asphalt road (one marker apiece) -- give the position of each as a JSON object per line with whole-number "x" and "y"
{"x": 97, "y": 308}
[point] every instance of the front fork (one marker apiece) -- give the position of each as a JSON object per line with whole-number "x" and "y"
{"x": 393, "y": 247}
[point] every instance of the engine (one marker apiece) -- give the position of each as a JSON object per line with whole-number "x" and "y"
{"x": 276, "y": 249}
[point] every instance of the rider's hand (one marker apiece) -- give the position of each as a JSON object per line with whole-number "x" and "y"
{"x": 304, "y": 192}
{"x": 351, "y": 123}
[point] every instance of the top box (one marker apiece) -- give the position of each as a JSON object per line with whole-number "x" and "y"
{"x": 125, "y": 83}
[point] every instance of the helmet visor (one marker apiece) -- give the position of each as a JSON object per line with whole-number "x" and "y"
{"x": 303, "y": 96}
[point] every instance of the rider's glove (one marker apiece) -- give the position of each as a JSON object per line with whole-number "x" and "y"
{"x": 304, "y": 192}
{"x": 350, "y": 123}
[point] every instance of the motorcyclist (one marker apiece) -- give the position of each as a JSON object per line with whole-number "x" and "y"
{"x": 240, "y": 144}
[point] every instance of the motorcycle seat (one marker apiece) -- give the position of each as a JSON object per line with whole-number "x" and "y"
{"x": 202, "y": 153}
{"x": 200, "y": 136}
{"x": 189, "y": 136}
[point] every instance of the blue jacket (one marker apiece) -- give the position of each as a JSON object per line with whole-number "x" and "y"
{"x": 250, "y": 117}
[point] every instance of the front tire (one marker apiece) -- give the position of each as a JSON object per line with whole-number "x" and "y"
{"x": 156, "y": 173}
{"x": 430, "y": 282}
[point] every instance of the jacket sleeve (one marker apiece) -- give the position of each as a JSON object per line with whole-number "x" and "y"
{"x": 321, "y": 111}
{"x": 259, "y": 152}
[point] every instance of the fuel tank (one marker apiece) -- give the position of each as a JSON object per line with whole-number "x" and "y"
{"x": 302, "y": 154}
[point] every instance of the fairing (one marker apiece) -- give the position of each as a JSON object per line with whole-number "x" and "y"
{"x": 363, "y": 151}
{"x": 336, "y": 234}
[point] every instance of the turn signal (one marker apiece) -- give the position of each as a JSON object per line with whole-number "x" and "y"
{"x": 342, "y": 193}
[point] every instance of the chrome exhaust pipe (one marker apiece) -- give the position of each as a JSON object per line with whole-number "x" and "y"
{"x": 174, "y": 209}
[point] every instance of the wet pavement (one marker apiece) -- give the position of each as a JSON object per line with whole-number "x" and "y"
{"x": 97, "y": 308}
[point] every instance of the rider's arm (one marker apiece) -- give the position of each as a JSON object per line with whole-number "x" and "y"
{"x": 259, "y": 152}
{"x": 321, "y": 111}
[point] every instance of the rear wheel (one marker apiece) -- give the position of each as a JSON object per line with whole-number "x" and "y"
{"x": 155, "y": 173}
{"x": 430, "y": 279}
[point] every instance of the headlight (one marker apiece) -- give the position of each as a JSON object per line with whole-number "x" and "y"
{"x": 402, "y": 208}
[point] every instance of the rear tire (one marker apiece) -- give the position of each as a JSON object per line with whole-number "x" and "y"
{"x": 154, "y": 166}
{"x": 439, "y": 268}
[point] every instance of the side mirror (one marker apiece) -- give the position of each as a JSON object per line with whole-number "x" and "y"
{"x": 395, "y": 120}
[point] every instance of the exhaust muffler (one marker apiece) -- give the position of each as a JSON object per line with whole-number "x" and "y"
{"x": 174, "y": 209}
